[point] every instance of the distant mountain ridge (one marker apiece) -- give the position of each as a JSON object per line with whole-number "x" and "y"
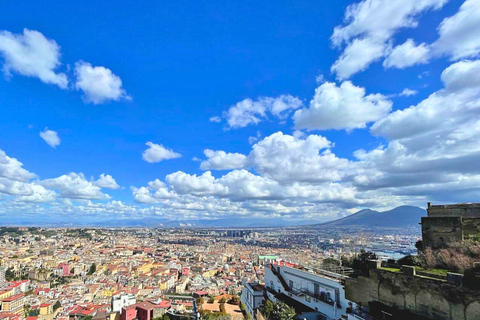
{"x": 403, "y": 216}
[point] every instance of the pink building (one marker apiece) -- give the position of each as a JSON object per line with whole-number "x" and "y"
{"x": 65, "y": 269}
{"x": 129, "y": 313}
{"x": 185, "y": 271}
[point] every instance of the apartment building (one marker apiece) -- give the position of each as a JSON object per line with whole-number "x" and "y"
{"x": 3, "y": 270}
{"x": 315, "y": 295}
{"x": 14, "y": 304}
{"x": 122, "y": 300}
{"x": 252, "y": 296}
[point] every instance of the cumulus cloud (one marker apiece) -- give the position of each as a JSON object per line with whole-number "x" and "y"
{"x": 290, "y": 159}
{"x": 157, "y": 152}
{"x": 220, "y": 160}
{"x": 341, "y": 107}
{"x": 248, "y": 111}
{"x": 75, "y": 186}
{"x": 433, "y": 146}
{"x": 458, "y": 34}
{"x": 106, "y": 181}
{"x": 369, "y": 25}
{"x": 50, "y": 137}
{"x": 14, "y": 187}
{"x": 457, "y": 103}
{"x": 458, "y": 39}
{"x": 241, "y": 185}
{"x": 406, "y": 55}
{"x": 38, "y": 194}
{"x": 99, "y": 84}
{"x": 31, "y": 54}
{"x": 12, "y": 169}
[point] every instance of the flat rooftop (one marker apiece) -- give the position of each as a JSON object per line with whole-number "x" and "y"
{"x": 256, "y": 286}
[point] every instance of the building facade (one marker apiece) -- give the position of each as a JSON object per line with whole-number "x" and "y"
{"x": 14, "y": 305}
{"x": 252, "y": 297}
{"x": 446, "y": 224}
{"x": 121, "y": 301}
{"x": 313, "y": 295}
{"x": 3, "y": 270}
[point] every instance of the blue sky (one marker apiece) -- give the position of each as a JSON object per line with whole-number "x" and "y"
{"x": 283, "y": 96}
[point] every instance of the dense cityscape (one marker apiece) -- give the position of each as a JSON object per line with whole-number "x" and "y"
{"x": 63, "y": 273}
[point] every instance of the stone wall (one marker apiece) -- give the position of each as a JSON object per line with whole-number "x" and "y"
{"x": 468, "y": 210}
{"x": 430, "y": 298}
{"x": 439, "y": 231}
{"x": 471, "y": 228}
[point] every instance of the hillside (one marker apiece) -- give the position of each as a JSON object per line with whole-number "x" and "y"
{"x": 404, "y": 216}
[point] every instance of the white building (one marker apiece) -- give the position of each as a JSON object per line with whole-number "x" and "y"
{"x": 314, "y": 295}
{"x": 122, "y": 300}
{"x": 2, "y": 274}
{"x": 252, "y": 297}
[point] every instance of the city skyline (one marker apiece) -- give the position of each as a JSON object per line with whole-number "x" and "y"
{"x": 307, "y": 111}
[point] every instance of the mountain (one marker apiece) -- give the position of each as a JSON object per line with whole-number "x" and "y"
{"x": 404, "y": 216}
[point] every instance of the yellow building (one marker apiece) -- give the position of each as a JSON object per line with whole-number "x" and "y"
{"x": 5, "y": 294}
{"x": 46, "y": 309}
{"x": 14, "y": 304}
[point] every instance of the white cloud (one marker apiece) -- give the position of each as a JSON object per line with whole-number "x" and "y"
{"x": 50, "y": 137}
{"x": 369, "y": 26}
{"x": 215, "y": 119}
{"x": 241, "y": 185}
{"x": 341, "y": 107}
{"x": 106, "y": 181}
{"x": 443, "y": 110}
{"x": 204, "y": 184}
{"x": 220, "y": 160}
{"x": 433, "y": 149}
{"x": 13, "y": 187}
{"x": 248, "y": 111}
{"x": 458, "y": 39}
{"x": 157, "y": 152}
{"x": 458, "y": 35}
{"x": 38, "y": 194}
{"x": 357, "y": 56}
{"x": 406, "y": 55}
{"x": 31, "y": 54}
{"x": 408, "y": 92}
{"x": 99, "y": 84}
{"x": 289, "y": 159}
{"x": 75, "y": 186}
{"x": 12, "y": 169}
{"x": 462, "y": 75}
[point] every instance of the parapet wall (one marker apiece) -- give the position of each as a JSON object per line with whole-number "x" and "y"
{"x": 423, "y": 296}
{"x": 470, "y": 210}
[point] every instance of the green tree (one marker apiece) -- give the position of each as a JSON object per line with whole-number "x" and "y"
{"x": 57, "y": 305}
{"x": 92, "y": 269}
{"x": 278, "y": 311}
{"x": 9, "y": 274}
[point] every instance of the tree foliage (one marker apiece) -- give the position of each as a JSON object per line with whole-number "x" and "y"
{"x": 92, "y": 269}
{"x": 277, "y": 311}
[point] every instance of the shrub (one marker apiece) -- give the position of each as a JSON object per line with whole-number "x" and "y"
{"x": 409, "y": 261}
